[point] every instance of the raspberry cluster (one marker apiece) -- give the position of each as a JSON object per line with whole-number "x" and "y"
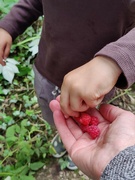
{"x": 88, "y": 124}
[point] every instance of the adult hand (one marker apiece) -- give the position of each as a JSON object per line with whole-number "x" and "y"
{"x": 87, "y": 85}
{"x": 117, "y": 128}
{"x": 5, "y": 45}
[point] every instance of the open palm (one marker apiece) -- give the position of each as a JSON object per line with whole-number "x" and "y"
{"x": 91, "y": 156}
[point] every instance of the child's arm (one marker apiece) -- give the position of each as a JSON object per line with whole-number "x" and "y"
{"x": 122, "y": 52}
{"x": 21, "y": 16}
{"x": 87, "y": 85}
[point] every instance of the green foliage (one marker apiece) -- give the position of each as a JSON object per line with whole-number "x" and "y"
{"x": 63, "y": 163}
{"x": 25, "y": 136}
{"x": 24, "y": 147}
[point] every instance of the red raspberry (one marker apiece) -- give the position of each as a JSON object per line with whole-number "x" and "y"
{"x": 93, "y": 131}
{"x": 94, "y": 121}
{"x": 83, "y": 128}
{"x": 83, "y": 119}
{"x": 88, "y": 124}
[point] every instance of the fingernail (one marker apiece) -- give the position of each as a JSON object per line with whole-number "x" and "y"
{"x": 4, "y": 60}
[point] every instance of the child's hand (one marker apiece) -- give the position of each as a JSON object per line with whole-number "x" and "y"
{"x": 87, "y": 85}
{"x": 5, "y": 45}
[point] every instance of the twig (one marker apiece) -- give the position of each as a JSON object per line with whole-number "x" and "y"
{"x": 119, "y": 95}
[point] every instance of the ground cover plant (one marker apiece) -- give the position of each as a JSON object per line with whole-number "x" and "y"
{"x": 24, "y": 136}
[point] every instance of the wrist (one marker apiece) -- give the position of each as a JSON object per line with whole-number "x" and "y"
{"x": 111, "y": 152}
{"x": 105, "y": 159}
{"x": 112, "y": 64}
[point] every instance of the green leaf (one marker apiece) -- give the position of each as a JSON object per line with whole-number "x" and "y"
{"x": 2, "y": 138}
{"x": 4, "y": 91}
{"x": 36, "y": 165}
{"x": 38, "y": 142}
{"x": 24, "y": 123}
{"x": 19, "y": 170}
{"x": 63, "y": 163}
{"x": 37, "y": 152}
{"x": 16, "y": 113}
{"x": 7, "y": 119}
{"x": 3, "y": 126}
{"x": 52, "y": 150}
{"x": 24, "y": 131}
{"x": 10, "y": 134}
{"x": 34, "y": 128}
{"x": 29, "y": 112}
{"x": 12, "y": 130}
{"x": 11, "y": 139}
{"x": 7, "y": 153}
{"x": 23, "y": 70}
{"x": 26, "y": 177}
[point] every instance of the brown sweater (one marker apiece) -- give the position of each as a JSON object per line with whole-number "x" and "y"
{"x": 75, "y": 31}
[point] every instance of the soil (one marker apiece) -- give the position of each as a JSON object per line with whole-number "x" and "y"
{"x": 53, "y": 172}
{"x": 124, "y": 99}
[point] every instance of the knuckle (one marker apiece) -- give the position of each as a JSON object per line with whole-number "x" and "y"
{"x": 66, "y": 110}
{"x": 97, "y": 95}
{"x": 92, "y": 99}
{"x": 75, "y": 107}
{"x": 67, "y": 79}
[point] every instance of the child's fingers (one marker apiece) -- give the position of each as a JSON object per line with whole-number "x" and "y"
{"x": 6, "y": 51}
{"x": 2, "y": 55}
